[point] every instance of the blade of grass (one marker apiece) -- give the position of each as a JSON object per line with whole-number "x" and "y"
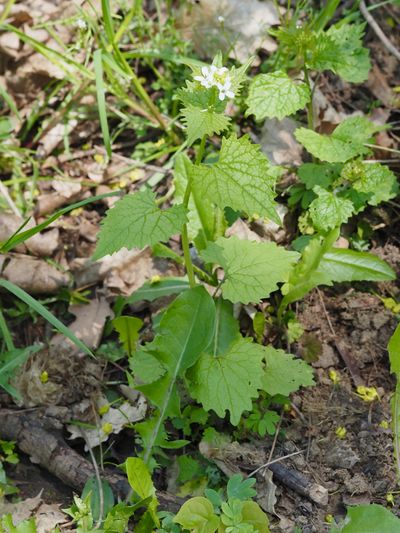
{"x": 9, "y": 101}
{"x": 39, "y": 308}
{"x": 6, "y": 10}
{"x": 101, "y": 100}
{"x": 18, "y": 237}
{"x": 52, "y": 55}
{"x": 6, "y": 333}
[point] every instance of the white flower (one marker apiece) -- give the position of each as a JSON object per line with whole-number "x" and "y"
{"x": 225, "y": 90}
{"x": 213, "y": 76}
{"x": 207, "y": 78}
{"x": 221, "y": 19}
{"x": 81, "y": 24}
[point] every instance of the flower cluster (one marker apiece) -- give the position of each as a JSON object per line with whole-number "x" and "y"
{"x": 216, "y": 77}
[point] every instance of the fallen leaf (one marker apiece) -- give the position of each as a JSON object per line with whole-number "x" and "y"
{"x": 88, "y": 325}
{"x": 48, "y": 517}
{"x": 241, "y": 230}
{"x": 35, "y": 276}
{"x": 111, "y": 422}
{"x": 22, "y": 510}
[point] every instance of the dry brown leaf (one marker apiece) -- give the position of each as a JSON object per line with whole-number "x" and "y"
{"x": 278, "y": 142}
{"x": 22, "y": 510}
{"x": 241, "y": 230}
{"x": 42, "y": 244}
{"x": 214, "y": 26}
{"x": 48, "y": 516}
{"x": 88, "y": 325}
{"x": 113, "y": 421}
{"x": 35, "y": 276}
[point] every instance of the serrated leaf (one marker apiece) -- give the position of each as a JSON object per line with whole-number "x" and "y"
{"x": 312, "y": 174}
{"x": 128, "y": 330}
{"x": 200, "y": 122}
{"x": 240, "y": 488}
{"x": 346, "y": 141}
{"x": 283, "y": 373}
{"x": 146, "y": 367}
{"x": 226, "y": 328}
{"x": 136, "y": 221}
{"x": 349, "y": 265}
{"x": 329, "y": 211}
{"x": 252, "y": 269}
{"x": 197, "y": 515}
{"x": 377, "y": 181}
{"x": 185, "y": 330}
{"x": 275, "y": 95}
{"x": 182, "y": 168}
{"x": 242, "y": 179}
{"x": 352, "y": 60}
{"x": 228, "y": 382}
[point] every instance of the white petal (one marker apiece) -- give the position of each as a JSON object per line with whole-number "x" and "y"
{"x": 230, "y": 94}
{"x": 213, "y": 69}
{"x": 221, "y": 95}
{"x": 222, "y": 70}
{"x": 198, "y": 78}
{"x": 205, "y": 71}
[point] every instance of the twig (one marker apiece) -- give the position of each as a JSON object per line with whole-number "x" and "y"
{"x": 266, "y": 465}
{"x": 278, "y": 428}
{"x": 378, "y": 31}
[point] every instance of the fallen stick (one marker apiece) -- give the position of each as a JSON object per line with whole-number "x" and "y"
{"x": 300, "y": 483}
{"x": 39, "y": 436}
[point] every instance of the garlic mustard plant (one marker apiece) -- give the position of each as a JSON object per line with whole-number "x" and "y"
{"x": 198, "y": 342}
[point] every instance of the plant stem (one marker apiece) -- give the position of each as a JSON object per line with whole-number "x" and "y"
{"x": 310, "y": 107}
{"x": 185, "y": 237}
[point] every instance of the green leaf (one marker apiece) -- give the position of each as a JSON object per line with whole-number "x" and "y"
{"x": 284, "y": 374}
{"x": 200, "y": 122}
{"x": 276, "y": 95}
{"x": 151, "y": 290}
{"x": 329, "y": 211}
{"x": 189, "y": 468}
{"x": 312, "y": 174}
{"x": 140, "y": 481}
{"x": 92, "y": 487}
{"x": 252, "y": 269}
{"x": 136, "y": 221}
{"x": 185, "y": 330}
{"x": 204, "y": 206}
{"x": 375, "y": 180}
{"x": 253, "y": 515}
{"x": 228, "y": 382}
{"x": 352, "y": 59}
{"x": 128, "y": 329}
{"x": 347, "y": 140}
{"x": 394, "y": 352}
{"x": 242, "y": 179}
{"x": 146, "y": 367}
{"x": 240, "y": 488}
{"x": 369, "y": 518}
{"x": 226, "y": 328}
{"x": 197, "y": 515}
{"x": 349, "y": 265}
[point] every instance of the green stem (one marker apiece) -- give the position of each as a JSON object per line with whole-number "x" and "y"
{"x": 185, "y": 237}
{"x": 310, "y": 107}
{"x": 6, "y": 333}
